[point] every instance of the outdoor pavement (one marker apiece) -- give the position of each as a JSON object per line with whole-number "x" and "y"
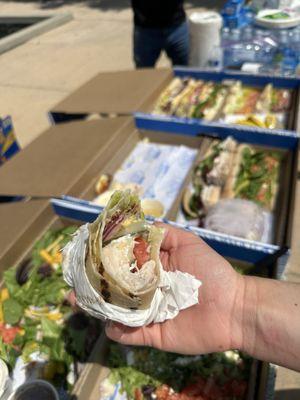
{"x": 37, "y": 75}
{"x": 40, "y": 73}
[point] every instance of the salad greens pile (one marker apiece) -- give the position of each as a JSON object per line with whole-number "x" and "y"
{"x": 37, "y": 323}
{"x": 139, "y": 369}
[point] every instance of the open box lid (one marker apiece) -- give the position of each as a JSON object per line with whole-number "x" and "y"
{"x": 121, "y": 92}
{"x": 59, "y": 161}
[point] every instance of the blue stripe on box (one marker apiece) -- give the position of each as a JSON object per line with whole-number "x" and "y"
{"x": 195, "y": 127}
{"x": 227, "y": 246}
{"x": 255, "y": 80}
{"x": 8, "y": 141}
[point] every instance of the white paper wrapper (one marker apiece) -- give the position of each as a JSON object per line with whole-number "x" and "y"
{"x": 176, "y": 290}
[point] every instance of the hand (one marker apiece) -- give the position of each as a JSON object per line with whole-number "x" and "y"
{"x": 209, "y": 326}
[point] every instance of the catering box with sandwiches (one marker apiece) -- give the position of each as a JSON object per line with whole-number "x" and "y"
{"x": 190, "y": 100}
{"x": 89, "y": 160}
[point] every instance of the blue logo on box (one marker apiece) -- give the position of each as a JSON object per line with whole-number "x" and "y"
{"x": 8, "y": 141}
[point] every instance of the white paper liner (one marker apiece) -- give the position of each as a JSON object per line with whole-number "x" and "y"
{"x": 176, "y": 290}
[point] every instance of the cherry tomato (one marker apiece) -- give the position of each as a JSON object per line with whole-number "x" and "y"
{"x": 8, "y": 334}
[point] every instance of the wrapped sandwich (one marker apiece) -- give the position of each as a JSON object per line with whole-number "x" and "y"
{"x": 241, "y": 99}
{"x": 254, "y": 176}
{"x": 210, "y": 177}
{"x": 114, "y": 266}
{"x": 238, "y": 217}
{"x": 281, "y": 100}
{"x": 165, "y": 102}
{"x": 210, "y": 101}
{"x": 183, "y": 104}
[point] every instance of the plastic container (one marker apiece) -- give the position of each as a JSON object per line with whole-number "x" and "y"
{"x": 35, "y": 390}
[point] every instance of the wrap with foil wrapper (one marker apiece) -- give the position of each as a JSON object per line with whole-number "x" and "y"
{"x": 114, "y": 267}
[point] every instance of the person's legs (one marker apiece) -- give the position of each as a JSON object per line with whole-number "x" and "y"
{"x": 147, "y": 45}
{"x": 177, "y": 44}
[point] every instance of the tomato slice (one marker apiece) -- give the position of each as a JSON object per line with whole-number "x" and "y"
{"x": 8, "y": 334}
{"x": 140, "y": 251}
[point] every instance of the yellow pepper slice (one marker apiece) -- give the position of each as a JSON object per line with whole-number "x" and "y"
{"x": 46, "y": 256}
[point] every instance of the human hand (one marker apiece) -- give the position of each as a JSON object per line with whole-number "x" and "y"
{"x": 209, "y": 326}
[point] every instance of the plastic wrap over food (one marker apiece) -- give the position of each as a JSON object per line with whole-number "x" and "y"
{"x": 114, "y": 267}
{"x": 158, "y": 169}
{"x": 241, "y": 218}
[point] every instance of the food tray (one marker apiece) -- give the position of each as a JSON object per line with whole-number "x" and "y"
{"x": 107, "y": 94}
{"x": 240, "y": 249}
{"x": 192, "y": 126}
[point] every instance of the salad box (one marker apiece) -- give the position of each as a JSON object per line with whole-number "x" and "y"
{"x": 128, "y": 92}
{"x": 43, "y": 336}
{"x": 81, "y": 151}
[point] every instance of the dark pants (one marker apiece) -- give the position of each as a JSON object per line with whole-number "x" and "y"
{"x": 148, "y": 44}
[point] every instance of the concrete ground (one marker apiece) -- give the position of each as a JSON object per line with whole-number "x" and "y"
{"x": 39, "y": 74}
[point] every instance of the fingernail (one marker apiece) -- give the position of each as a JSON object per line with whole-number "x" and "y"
{"x": 114, "y": 330}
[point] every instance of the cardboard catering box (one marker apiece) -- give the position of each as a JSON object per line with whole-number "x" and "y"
{"x": 128, "y": 92}
{"x": 81, "y": 151}
{"x": 230, "y": 246}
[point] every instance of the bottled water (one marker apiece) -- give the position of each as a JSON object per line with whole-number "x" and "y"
{"x": 225, "y": 37}
{"x": 289, "y": 62}
{"x": 216, "y": 58}
{"x": 247, "y": 34}
{"x": 235, "y": 35}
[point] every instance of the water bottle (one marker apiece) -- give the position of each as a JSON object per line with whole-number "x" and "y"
{"x": 258, "y": 34}
{"x": 295, "y": 43}
{"x": 273, "y": 4}
{"x": 289, "y": 62}
{"x": 235, "y": 35}
{"x": 216, "y": 58}
{"x": 283, "y": 38}
{"x": 247, "y": 34}
{"x": 225, "y": 37}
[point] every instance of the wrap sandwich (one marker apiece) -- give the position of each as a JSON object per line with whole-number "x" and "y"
{"x": 114, "y": 267}
{"x": 122, "y": 257}
{"x": 209, "y": 177}
{"x": 165, "y": 101}
{"x": 241, "y": 99}
{"x": 210, "y": 101}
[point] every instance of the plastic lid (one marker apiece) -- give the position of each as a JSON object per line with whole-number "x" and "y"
{"x": 204, "y": 17}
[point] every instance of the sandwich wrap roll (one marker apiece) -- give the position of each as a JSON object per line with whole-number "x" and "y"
{"x": 114, "y": 266}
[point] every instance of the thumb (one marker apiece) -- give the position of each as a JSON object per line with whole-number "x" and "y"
{"x": 125, "y": 334}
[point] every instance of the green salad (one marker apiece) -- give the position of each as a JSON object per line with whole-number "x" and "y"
{"x": 38, "y": 327}
{"x": 146, "y": 373}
